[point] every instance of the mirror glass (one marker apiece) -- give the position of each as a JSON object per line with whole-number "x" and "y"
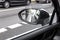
{"x": 34, "y": 16}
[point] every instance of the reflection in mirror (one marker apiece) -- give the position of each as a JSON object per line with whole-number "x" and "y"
{"x": 34, "y": 16}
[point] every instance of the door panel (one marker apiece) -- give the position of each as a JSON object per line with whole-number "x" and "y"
{"x": 51, "y": 29}
{"x": 17, "y": 2}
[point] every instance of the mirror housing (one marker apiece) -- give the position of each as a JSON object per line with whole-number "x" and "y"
{"x": 34, "y": 16}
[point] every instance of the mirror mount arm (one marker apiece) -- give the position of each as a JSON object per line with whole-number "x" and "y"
{"x": 57, "y": 8}
{"x": 52, "y": 17}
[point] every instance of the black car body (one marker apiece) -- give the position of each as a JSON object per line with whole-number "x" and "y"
{"x": 43, "y": 1}
{"x": 8, "y": 3}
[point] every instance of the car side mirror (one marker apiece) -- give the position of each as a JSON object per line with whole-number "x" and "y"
{"x": 34, "y": 16}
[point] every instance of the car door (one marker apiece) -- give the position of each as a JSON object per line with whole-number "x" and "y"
{"x": 48, "y": 31}
{"x": 21, "y": 1}
{"x": 17, "y": 2}
{"x": 42, "y": 33}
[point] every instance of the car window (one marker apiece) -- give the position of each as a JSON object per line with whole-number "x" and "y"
{"x": 6, "y": 14}
{"x": 11, "y": 25}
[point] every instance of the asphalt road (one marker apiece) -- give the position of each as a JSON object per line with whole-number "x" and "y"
{"x": 11, "y": 25}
